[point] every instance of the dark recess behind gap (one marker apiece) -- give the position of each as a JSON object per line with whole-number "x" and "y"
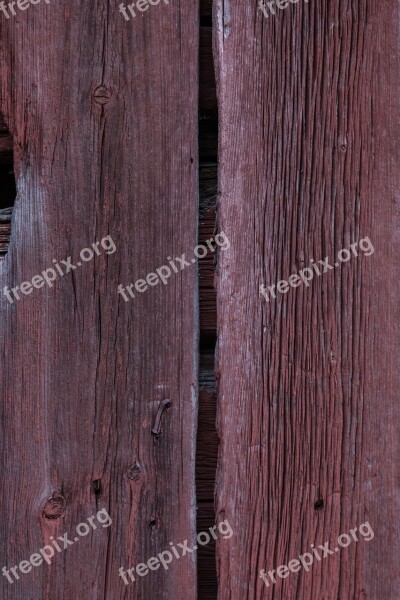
{"x": 7, "y": 186}
{"x": 207, "y": 438}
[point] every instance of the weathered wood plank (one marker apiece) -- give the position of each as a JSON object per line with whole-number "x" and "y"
{"x": 104, "y": 117}
{"x": 308, "y": 395}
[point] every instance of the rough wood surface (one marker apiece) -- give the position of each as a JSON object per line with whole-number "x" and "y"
{"x": 308, "y": 394}
{"x": 104, "y": 118}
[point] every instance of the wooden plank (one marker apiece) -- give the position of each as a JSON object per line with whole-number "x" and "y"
{"x": 5, "y": 148}
{"x": 104, "y": 117}
{"x": 308, "y": 394}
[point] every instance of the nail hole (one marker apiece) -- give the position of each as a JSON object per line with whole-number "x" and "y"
{"x": 319, "y": 504}
{"x": 153, "y": 523}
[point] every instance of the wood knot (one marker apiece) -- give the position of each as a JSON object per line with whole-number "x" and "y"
{"x": 102, "y": 95}
{"x": 54, "y": 507}
{"x": 135, "y": 472}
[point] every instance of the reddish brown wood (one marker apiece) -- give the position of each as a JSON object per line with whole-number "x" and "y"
{"x": 5, "y": 148}
{"x": 103, "y": 114}
{"x": 308, "y": 396}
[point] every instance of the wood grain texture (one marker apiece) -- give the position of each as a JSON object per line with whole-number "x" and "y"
{"x": 83, "y": 372}
{"x": 308, "y": 406}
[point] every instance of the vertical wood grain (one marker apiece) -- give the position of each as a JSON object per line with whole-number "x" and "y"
{"x": 104, "y": 118}
{"x": 308, "y": 383}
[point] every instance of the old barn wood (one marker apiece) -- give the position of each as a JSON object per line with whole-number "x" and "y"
{"x": 308, "y": 409}
{"x": 199, "y": 401}
{"x": 104, "y": 121}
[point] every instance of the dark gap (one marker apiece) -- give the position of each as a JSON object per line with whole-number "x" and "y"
{"x": 207, "y": 437}
{"x": 319, "y": 504}
{"x": 7, "y": 186}
{"x": 97, "y": 487}
{"x": 206, "y": 21}
{"x": 208, "y": 342}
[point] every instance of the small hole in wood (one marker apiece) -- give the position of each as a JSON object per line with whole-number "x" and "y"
{"x": 319, "y": 504}
{"x": 97, "y": 487}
